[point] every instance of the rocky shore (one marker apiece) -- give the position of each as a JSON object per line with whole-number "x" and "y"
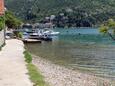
{"x": 56, "y": 75}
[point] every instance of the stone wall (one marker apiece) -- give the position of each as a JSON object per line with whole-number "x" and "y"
{"x": 2, "y": 37}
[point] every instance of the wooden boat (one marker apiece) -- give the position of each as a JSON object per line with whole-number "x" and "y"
{"x": 31, "y": 41}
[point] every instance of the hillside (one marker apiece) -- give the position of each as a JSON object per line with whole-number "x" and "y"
{"x": 91, "y": 12}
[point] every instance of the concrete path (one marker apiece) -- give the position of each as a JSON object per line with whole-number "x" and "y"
{"x": 13, "y": 71}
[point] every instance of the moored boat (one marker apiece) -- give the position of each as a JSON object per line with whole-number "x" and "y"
{"x": 51, "y": 33}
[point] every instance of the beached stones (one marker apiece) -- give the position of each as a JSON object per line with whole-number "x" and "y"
{"x": 56, "y": 75}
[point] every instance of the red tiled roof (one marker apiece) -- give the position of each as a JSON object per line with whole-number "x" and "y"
{"x": 1, "y": 7}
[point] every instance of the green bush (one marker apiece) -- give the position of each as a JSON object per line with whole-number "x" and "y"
{"x": 2, "y": 22}
{"x": 28, "y": 57}
{"x": 20, "y": 34}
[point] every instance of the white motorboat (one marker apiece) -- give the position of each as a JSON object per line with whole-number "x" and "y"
{"x": 51, "y": 33}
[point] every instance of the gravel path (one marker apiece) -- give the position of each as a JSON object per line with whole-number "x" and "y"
{"x": 13, "y": 70}
{"x": 56, "y": 75}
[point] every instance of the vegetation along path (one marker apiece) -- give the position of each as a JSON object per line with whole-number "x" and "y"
{"x": 13, "y": 71}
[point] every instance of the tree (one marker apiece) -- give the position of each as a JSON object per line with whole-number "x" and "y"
{"x": 108, "y": 28}
{"x": 11, "y": 21}
{"x": 2, "y": 22}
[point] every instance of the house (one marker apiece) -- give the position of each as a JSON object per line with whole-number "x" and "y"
{"x": 43, "y": 25}
{"x": 27, "y": 25}
{"x": 2, "y": 8}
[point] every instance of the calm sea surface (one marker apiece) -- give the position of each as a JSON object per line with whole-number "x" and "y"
{"x": 84, "y": 49}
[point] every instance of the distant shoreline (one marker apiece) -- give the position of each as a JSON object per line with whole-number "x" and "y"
{"x": 78, "y": 27}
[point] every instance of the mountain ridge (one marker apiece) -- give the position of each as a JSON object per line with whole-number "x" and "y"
{"x": 95, "y": 11}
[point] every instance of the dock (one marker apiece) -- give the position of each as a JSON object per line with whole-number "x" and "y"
{"x": 31, "y": 41}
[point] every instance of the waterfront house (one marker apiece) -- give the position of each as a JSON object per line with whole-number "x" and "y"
{"x": 29, "y": 26}
{"x": 43, "y": 25}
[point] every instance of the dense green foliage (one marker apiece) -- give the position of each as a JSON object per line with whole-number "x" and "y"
{"x": 79, "y": 12}
{"x": 36, "y": 76}
{"x": 11, "y": 21}
{"x": 28, "y": 57}
{"x": 2, "y": 22}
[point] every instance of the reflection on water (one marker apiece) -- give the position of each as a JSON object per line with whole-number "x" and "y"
{"x": 90, "y": 52}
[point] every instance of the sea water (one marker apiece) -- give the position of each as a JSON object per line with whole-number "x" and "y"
{"x": 82, "y": 49}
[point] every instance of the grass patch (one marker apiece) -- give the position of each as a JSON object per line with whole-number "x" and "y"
{"x": 35, "y": 75}
{"x": 28, "y": 57}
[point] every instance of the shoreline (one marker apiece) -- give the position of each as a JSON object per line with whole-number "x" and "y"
{"x": 57, "y": 75}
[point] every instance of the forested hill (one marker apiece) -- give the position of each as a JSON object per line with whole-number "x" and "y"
{"x": 76, "y": 12}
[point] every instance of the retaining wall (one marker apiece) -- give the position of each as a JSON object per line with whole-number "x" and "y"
{"x": 2, "y": 38}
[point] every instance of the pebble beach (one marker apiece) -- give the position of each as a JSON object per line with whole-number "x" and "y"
{"x": 57, "y": 75}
